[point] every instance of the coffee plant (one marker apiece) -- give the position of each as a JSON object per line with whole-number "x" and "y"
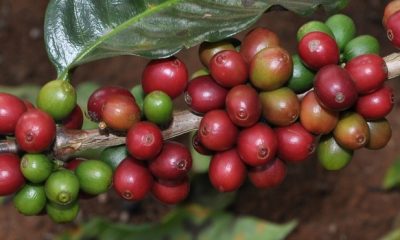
{"x": 252, "y": 109}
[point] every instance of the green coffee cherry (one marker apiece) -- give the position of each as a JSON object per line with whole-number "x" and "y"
{"x": 313, "y": 26}
{"x": 361, "y": 45}
{"x": 30, "y": 200}
{"x": 302, "y": 77}
{"x": 343, "y": 28}
{"x": 57, "y": 98}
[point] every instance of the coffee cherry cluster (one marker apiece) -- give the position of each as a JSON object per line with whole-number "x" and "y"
{"x": 330, "y": 97}
{"x": 36, "y": 180}
{"x": 152, "y": 165}
{"x": 262, "y": 108}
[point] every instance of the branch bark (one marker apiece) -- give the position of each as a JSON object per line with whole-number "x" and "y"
{"x": 69, "y": 142}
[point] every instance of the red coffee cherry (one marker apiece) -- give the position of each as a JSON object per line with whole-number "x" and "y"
{"x": 132, "y": 180}
{"x": 73, "y": 163}
{"x": 144, "y": 140}
{"x": 227, "y": 172}
{"x": 173, "y": 162}
{"x": 376, "y": 105}
{"x": 11, "y": 108}
{"x": 74, "y": 119}
{"x": 196, "y": 143}
{"x": 99, "y": 97}
{"x": 334, "y": 88}
{"x": 35, "y": 131}
{"x": 393, "y": 29}
{"x": 171, "y": 192}
{"x": 208, "y": 49}
{"x": 120, "y": 112}
{"x": 257, "y": 145}
{"x": 243, "y": 105}
{"x": 318, "y": 49}
{"x": 295, "y": 143}
{"x": 216, "y": 131}
{"x": 391, "y": 8}
{"x": 169, "y": 75}
{"x": 203, "y": 94}
{"x": 11, "y": 178}
{"x": 368, "y": 71}
{"x": 268, "y": 175}
{"x": 28, "y": 104}
{"x": 255, "y": 41}
{"x": 228, "y": 68}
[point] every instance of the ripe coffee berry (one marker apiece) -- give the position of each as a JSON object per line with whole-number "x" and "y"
{"x": 203, "y": 94}
{"x": 11, "y": 178}
{"x": 393, "y": 29}
{"x": 173, "y": 162}
{"x": 171, "y": 192}
{"x": 368, "y": 72}
{"x": 208, "y": 49}
{"x": 74, "y": 163}
{"x": 216, "y": 131}
{"x": 35, "y": 131}
{"x": 257, "y": 145}
{"x": 295, "y": 143}
{"x": 318, "y": 49}
{"x": 268, "y": 175}
{"x": 228, "y": 68}
{"x": 144, "y": 140}
{"x": 243, "y": 105}
{"x": 11, "y": 108}
{"x": 99, "y": 97}
{"x": 74, "y": 119}
{"x": 120, "y": 112}
{"x": 132, "y": 180}
{"x": 255, "y": 41}
{"x": 376, "y": 105}
{"x": 334, "y": 88}
{"x": 391, "y": 8}
{"x": 169, "y": 75}
{"x": 227, "y": 172}
{"x": 196, "y": 143}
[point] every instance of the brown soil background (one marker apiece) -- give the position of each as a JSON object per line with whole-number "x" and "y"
{"x": 348, "y": 204}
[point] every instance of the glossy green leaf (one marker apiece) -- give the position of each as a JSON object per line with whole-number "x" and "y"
{"x": 392, "y": 176}
{"x": 77, "y": 32}
{"x": 189, "y": 223}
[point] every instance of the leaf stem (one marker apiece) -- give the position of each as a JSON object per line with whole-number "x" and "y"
{"x": 65, "y": 75}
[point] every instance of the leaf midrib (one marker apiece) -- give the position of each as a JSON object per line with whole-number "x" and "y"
{"x": 64, "y": 74}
